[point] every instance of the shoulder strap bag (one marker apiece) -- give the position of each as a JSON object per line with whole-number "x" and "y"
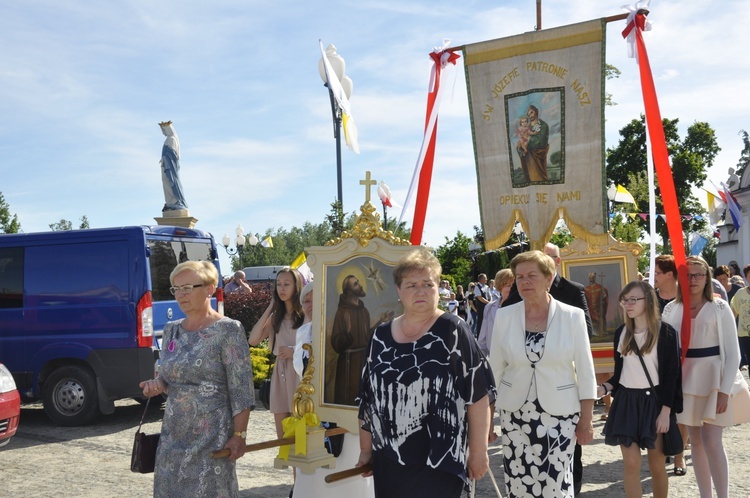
{"x": 143, "y": 457}
{"x": 673, "y": 444}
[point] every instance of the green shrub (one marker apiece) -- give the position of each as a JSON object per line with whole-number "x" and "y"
{"x": 262, "y": 360}
{"x": 247, "y": 308}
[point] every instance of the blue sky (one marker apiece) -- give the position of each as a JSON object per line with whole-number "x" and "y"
{"x": 84, "y": 84}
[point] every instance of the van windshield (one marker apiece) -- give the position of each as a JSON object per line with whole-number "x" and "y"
{"x": 165, "y": 255}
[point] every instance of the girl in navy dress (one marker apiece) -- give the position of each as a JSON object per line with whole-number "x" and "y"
{"x": 639, "y": 416}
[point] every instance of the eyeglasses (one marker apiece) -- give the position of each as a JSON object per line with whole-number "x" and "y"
{"x": 631, "y": 300}
{"x": 695, "y": 276}
{"x": 185, "y": 289}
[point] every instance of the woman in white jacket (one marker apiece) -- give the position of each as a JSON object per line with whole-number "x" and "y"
{"x": 715, "y": 393}
{"x": 544, "y": 373}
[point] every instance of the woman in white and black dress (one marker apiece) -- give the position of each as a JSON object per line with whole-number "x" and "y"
{"x": 545, "y": 379}
{"x": 638, "y": 416}
{"x": 425, "y": 394}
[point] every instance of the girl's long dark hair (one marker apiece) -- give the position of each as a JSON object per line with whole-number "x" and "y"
{"x": 653, "y": 320}
{"x": 279, "y": 307}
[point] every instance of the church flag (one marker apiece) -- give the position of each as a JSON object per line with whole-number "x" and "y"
{"x": 536, "y": 106}
{"x": 714, "y": 207}
{"x": 733, "y": 206}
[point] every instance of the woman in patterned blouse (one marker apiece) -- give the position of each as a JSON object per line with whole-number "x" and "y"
{"x": 425, "y": 394}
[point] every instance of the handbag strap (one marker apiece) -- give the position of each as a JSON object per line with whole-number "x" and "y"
{"x": 645, "y": 370}
{"x": 148, "y": 400}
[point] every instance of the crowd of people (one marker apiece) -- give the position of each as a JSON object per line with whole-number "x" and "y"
{"x": 435, "y": 377}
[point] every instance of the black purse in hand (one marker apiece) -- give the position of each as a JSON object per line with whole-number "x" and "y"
{"x": 672, "y": 440}
{"x": 143, "y": 458}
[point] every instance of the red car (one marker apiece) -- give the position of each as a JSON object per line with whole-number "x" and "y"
{"x": 10, "y": 406}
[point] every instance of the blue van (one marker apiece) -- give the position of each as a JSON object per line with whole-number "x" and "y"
{"x": 81, "y": 312}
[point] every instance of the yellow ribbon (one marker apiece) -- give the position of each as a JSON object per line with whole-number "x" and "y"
{"x": 297, "y": 427}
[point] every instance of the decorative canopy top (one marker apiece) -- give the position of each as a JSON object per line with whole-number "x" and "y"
{"x": 367, "y": 225}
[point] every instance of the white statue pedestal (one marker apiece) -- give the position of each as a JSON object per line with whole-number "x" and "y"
{"x": 314, "y": 486}
{"x": 177, "y": 218}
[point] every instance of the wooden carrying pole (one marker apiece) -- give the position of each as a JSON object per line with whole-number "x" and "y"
{"x": 344, "y": 474}
{"x": 274, "y": 443}
{"x": 618, "y": 17}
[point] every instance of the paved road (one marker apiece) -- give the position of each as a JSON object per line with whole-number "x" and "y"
{"x": 44, "y": 460}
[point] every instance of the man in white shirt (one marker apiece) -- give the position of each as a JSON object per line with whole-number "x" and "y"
{"x": 481, "y": 299}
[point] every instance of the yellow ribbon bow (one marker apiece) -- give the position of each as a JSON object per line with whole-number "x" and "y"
{"x": 298, "y": 428}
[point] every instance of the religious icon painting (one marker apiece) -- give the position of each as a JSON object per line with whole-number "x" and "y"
{"x": 354, "y": 293}
{"x": 603, "y": 279}
{"x": 360, "y": 296}
{"x": 536, "y": 136}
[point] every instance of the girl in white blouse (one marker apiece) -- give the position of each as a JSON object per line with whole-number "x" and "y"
{"x": 639, "y": 414}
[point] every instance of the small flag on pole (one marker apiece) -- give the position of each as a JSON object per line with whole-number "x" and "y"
{"x": 699, "y": 242}
{"x": 300, "y": 263}
{"x": 622, "y": 195}
{"x": 299, "y": 260}
{"x": 714, "y": 208}
{"x": 267, "y": 242}
{"x": 734, "y": 208}
{"x": 347, "y": 121}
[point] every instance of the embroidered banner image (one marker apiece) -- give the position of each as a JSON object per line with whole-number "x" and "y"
{"x": 536, "y": 106}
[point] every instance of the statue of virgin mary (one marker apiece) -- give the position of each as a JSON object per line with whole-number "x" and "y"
{"x": 174, "y": 197}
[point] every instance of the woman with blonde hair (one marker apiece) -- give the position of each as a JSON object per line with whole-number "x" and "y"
{"x": 541, "y": 357}
{"x": 715, "y": 393}
{"x": 205, "y": 368}
{"x": 638, "y": 417}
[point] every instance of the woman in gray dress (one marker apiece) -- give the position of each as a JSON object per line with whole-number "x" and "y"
{"x": 205, "y": 369}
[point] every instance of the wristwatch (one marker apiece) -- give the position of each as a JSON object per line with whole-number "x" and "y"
{"x": 242, "y": 434}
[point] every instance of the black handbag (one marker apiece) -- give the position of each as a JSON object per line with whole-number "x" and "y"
{"x": 143, "y": 458}
{"x": 672, "y": 440}
{"x": 264, "y": 393}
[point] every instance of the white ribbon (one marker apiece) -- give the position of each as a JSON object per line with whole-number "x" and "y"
{"x": 632, "y": 11}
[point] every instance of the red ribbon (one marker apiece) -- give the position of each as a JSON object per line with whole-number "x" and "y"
{"x": 639, "y": 20}
{"x": 603, "y": 353}
{"x": 425, "y": 173}
{"x": 663, "y": 172}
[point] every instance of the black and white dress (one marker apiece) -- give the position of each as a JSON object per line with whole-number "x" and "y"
{"x": 537, "y": 447}
{"x": 413, "y": 399}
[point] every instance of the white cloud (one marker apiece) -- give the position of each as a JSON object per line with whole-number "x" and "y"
{"x": 83, "y": 85}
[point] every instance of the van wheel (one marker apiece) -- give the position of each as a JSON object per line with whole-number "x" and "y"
{"x": 70, "y": 396}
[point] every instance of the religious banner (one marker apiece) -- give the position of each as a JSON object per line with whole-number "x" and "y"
{"x": 536, "y": 105}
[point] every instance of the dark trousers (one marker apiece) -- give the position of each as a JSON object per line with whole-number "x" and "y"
{"x": 393, "y": 480}
{"x": 577, "y": 464}
{"x": 744, "y": 350}
{"x": 480, "y": 317}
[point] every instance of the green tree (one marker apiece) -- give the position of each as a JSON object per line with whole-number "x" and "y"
{"x": 335, "y": 218}
{"x": 455, "y": 258}
{"x": 610, "y": 72}
{"x": 561, "y": 236}
{"x": 288, "y": 244}
{"x": 8, "y": 223}
{"x": 690, "y": 157}
{"x": 744, "y": 155}
{"x": 61, "y": 225}
{"x": 64, "y": 224}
